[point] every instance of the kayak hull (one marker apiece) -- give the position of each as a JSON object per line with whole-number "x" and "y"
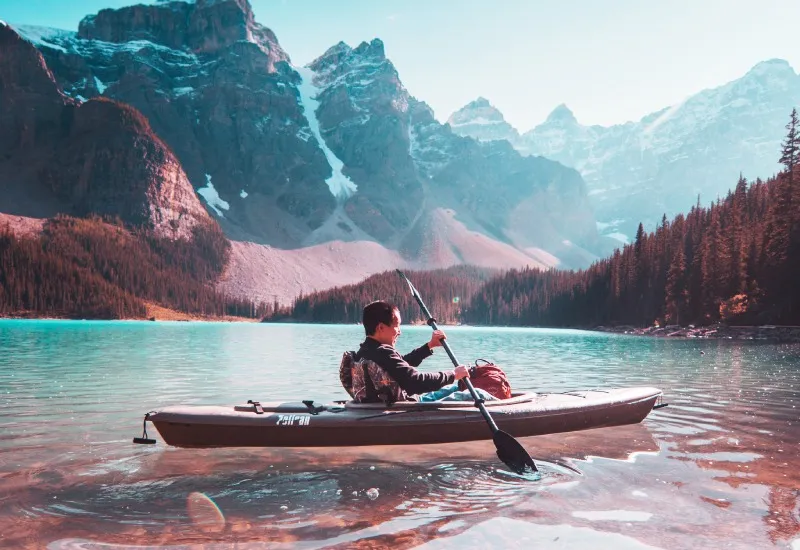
{"x": 296, "y": 424}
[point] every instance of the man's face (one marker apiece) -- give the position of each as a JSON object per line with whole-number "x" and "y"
{"x": 388, "y": 334}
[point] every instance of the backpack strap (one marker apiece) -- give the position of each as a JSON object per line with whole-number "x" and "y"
{"x": 372, "y": 393}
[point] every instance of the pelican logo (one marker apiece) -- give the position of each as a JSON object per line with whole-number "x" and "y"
{"x": 293, "y": 420}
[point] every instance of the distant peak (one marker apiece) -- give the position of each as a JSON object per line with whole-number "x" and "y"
{"x": 339, "y": 48}
{"x": 771, "y": 66}
{"x": 371, "y": 49}
{"x": 368, "y": 49}
{"x": 342, "y": 53}
{"x": 481, "y": 102}
{"x": 562, "y": 113}
{"x": 478, "y": 111}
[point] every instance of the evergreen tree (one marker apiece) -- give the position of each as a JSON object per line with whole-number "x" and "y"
{"x": 790, "y": 148}
{"x": 790, "y": 158}
{"x": 676, "y": 291}
{"x": 738, "y": 246}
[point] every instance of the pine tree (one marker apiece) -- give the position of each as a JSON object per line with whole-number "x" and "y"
{"x": 790, "y": 148}
{"x": 739, "y": 246}
{"x": 790, "y": 158}
{"x": 676, "y": 291}
{"x": 781, "y": 233}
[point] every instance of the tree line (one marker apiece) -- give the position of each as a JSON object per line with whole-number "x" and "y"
{"x": 100, "y": 269}
{"x": 736, "y": 261}
{"x": 445, "y": 291}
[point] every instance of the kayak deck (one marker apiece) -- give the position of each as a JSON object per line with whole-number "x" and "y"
{"x": 305, "y": 424}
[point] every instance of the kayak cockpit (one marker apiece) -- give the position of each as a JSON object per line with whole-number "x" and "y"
{"x": 313, "y": 408}
{"x": 516, "y": 398}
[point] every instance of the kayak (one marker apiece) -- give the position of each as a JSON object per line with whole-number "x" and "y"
{"x": 306, "y": 424}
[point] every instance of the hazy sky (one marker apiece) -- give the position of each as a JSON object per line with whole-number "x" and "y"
{"x": 610, "y": 61}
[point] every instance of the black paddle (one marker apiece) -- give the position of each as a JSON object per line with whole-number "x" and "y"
{"x": 508, "y": 449}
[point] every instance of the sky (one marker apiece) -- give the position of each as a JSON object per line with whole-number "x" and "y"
{"x": 609, "y": 61}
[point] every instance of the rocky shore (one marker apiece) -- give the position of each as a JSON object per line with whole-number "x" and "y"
{"x": 773, "y": 333}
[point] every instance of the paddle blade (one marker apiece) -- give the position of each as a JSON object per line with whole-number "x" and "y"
{"x": 512, "y": 453}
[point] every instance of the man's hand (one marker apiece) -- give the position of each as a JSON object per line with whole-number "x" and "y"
{"x": 462, "y": 372}
{"x": 436, "y": 339}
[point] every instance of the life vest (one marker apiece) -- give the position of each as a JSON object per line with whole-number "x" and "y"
{"x": 488, "y": 377}
{"x": 366, "y": 382}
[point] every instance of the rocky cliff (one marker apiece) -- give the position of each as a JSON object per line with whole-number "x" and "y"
{"x": 60, "y": 155}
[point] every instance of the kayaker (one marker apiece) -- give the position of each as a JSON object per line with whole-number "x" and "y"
{"x": 377, "y": 372}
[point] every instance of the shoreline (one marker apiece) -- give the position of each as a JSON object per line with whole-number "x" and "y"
{"x": 769, "y": 333}
{"x": 763, "y": 333}
{"x": 154, "y": 313}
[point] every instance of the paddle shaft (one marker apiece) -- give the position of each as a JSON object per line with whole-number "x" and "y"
{"x": 509, "y": 450}
{"x": 432, "y": 323}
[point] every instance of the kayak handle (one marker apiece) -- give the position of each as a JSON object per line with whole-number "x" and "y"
{"x": 145, "y": 440}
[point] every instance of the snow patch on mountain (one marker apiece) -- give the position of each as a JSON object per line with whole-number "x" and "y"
{"x": 44, "y": 37}
{"x": 479, "y": 121}
{"x": 101, "y": 87}
{"x": 665, "y": 116}
{"x": 69, "y": 41}
{"x": 621, "y": 237}
{"x": 212, "y": 197}
{"x": 340, "y": 185}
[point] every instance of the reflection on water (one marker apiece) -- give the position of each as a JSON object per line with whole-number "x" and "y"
{"x": 717, "y": 468}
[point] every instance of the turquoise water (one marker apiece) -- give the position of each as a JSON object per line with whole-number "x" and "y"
{"x": 717, "y": 468}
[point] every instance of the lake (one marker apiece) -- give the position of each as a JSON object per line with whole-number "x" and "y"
{"x": 718, "y": 468}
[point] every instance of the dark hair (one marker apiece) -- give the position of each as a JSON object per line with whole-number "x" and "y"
{"x": 377, "y": 312}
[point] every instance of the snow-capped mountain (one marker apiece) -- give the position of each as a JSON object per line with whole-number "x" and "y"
{"x": 482, "y": 120}
{"x": 338, "y": 150}
{"x": 639, "y": 171}
{"x": 218, "y": 88}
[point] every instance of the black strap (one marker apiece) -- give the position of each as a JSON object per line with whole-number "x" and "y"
{"x": 256, "y": 406}
{"x": 372, "y": 393}
{"x": 314, "y": 410}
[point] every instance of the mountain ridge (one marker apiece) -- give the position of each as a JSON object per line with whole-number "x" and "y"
{"x": 354, "y": 124}
{"x": 637, "y": 171}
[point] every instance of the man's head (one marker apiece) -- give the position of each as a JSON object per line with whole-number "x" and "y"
{"x": 381, "y": 321}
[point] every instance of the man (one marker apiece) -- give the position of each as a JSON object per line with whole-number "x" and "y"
{"x": 385, "y": 375}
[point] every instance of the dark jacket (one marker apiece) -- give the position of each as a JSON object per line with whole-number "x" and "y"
{"x": 401, "y": 367}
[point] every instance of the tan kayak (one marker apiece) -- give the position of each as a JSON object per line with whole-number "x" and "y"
{"x": 306, "y": 424}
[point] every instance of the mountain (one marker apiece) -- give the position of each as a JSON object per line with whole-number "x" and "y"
{"x": 639, "y": 171}
{"x": 216, "y": 86}
{"x": 483, "y": 121}
{"x": 58, "y": 155}
{"x": 299, "y": 161}
{"x": 289, "y": 154}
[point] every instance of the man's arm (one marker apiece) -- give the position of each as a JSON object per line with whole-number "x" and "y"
{"x": 415, "y": 357}
{"x": 410, "y": 379}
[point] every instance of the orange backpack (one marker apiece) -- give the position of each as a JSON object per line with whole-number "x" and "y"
{"x": 488, "y": 377}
